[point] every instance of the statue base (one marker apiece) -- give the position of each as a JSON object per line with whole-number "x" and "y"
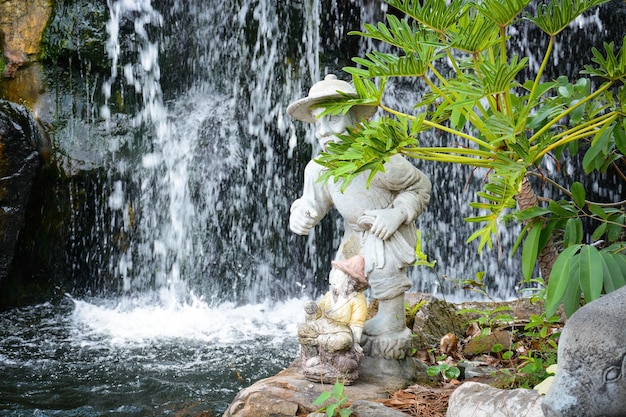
{"x": 330, "y": 367}
{"x": 393, "y": 374}
{"x": 395, "y": 345}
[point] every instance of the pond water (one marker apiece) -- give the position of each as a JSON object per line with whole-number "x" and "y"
{"x": 138, "y": 358}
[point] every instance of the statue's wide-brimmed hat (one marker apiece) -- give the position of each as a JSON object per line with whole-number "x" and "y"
{"x": 326, "y": 89}
{"x": 355, "y": 267}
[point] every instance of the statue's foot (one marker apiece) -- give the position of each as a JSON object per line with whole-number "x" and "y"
{"x": 311, "y": 362}
{"x": 383, "y": 323}
{"x": 375, "y": 326}
{"x": 388, "y": 345}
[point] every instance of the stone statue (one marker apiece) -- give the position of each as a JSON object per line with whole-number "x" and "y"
{"x": 330, "y": 338}
{"x": 379, "y": 220}
{"x": 590, "y": 379}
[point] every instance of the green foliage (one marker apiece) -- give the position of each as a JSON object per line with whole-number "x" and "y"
{"x": 335, "y": 401}
{"x": 489, "y": 318}
{"x": 508, "y": 124}
{"x": 581, "y": 269}
{"x": 446, "y": 371}
{"x": 420, "y": 256}
{"x": 539, "y": 326}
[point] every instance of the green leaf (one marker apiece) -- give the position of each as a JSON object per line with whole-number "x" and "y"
{"x": 619, "y": 279}
{"x": 611, "y": 67}
{"x": 345, "y": 412}
{"x": 559, "y": 278}
{"x": 501, "y": 12}
{"x": 598, "y": 211}
{"x": 530, "y": 251}
{"x": 610, "y": 271}
{"x": 571, "y": 298}
{"x": 578, "y": 194}
{"x": 616, "y": 228}
{"x": 532, "y": 212}
{"x": 338, "y": 390}
{"x": 452, "y": 372}
{"x": 433, "y": 371}
{"x": 573, "y": 232}
{"x": 600, "y": 230}
{"x": 590, "y": 272}
{"x": 596, "y": 155}
{"x": 554, "y": 16}
{"x": 322, "y": 398}
{"x": 620, "y": 139}
{"x": 438, "y": 15}
{"x": 474, "y": 33}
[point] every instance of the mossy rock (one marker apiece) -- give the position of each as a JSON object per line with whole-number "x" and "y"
{"x": 77, "y": 33}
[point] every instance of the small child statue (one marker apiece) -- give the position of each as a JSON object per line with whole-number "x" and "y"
{"x": 330, "y": 338}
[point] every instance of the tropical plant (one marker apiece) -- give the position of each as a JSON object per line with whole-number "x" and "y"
{"x": 500, "y": 117}
{"x": 335, "y": 401}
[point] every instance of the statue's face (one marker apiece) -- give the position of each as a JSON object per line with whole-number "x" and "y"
{"x": 339, "y": 281}
{"x": 328, "y": 127}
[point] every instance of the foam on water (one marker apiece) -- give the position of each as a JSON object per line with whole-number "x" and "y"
{"x": 142, "y": 321}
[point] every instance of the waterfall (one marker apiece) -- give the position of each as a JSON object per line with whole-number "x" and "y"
{"x": 202, "y": 162}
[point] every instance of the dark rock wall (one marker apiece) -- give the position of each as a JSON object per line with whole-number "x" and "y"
{"x": 19, "y": 164}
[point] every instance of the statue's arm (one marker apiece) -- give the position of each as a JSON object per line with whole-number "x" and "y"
{"x": 412, "y": 186}
{"x": 358, "y": 316}
{"x": 312, "y": 206}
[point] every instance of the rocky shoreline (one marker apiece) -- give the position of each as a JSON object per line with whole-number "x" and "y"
{"x": 379, "y": 394}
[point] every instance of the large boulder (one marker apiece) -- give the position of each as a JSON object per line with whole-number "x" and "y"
{"x": 591, "y": 375}
{"x": 19, "y": 162}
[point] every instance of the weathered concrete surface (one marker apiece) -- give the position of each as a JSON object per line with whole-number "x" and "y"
{"x": 480, "y": 400}
{"x": 591, "y": 374}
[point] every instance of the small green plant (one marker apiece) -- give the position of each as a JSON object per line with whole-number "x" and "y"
{"x": 490, "y": 317}
{"x": 541, "y": 326}
{"x": 338, "y": 401}
{"x": 503, "y": 355}
{"x": 533, "y": 369}
{"x": 446, "y": 371}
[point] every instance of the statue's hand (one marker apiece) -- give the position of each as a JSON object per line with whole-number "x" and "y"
{"x": 310, "y": 307}
{"x": 302, "y": 220}
{"x": 386, "y": 221}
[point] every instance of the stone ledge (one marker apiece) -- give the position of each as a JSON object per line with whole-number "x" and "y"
{"x": 288, "y": 393}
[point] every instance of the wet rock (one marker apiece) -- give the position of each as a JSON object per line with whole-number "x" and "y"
{"x": 77, "y": 33}
{"x": 480, "y": 400}
{"x": 19, "y": 162}
{"x": 22, "y": 23}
